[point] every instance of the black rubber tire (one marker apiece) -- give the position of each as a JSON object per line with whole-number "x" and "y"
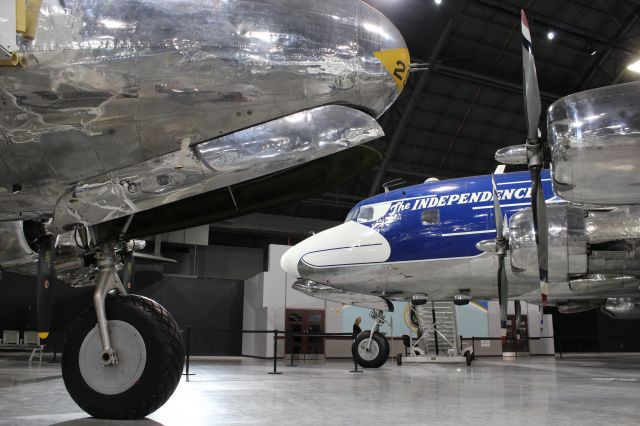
{"x": 399, "y": 359}
{"x": 383, "y": 351}
{"x": 162, "y": 371}
{"x": 468, "y": 357}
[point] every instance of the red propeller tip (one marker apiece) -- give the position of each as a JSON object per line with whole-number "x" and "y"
{"x": 523, "y": 17}
{"x": 525, "y": 27}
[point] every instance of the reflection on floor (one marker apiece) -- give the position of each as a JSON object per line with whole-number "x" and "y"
{"x": 583, "y": 390}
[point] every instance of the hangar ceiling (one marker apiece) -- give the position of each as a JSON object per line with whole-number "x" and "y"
{"x": 451, "y": 119}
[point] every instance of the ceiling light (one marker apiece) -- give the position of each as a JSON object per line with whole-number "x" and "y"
{"x": 635, "y": 67}
{"x": 551, "y": 35}
{"x": 437, "y": 1}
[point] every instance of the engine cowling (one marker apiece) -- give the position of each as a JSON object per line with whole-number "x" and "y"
{"x": 567, "y": 243}
{"x": 595, "y": 251}
{"x": 595, "y": 147}
{"x": 15, "y": 250}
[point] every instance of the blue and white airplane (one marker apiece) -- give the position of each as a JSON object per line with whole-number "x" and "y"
{"x": 568, "y": 236}
{"x": 450, "y": 240}
{"x": 424, "y": 239}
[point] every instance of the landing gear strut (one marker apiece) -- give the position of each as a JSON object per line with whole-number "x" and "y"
{"x": 107, "y": 280}
{"x": 370, "y": 349}
{"x": 123, "y": 357}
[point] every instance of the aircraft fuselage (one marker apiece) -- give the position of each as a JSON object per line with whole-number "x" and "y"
{"x": 424, "y": 239}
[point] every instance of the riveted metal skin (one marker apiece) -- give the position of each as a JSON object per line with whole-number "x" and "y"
{"x": 112, "y": 84}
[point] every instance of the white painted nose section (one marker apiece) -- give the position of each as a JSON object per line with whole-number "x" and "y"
{"x": 348, "y": 244}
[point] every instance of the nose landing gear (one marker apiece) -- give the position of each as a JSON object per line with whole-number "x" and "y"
{"x": 370, "y": 349}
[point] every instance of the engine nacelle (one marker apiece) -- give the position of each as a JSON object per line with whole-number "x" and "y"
{"x": 15, "y": 251}
{"x": 575, "y": 307}
{"x": 567, "y": 243}
{"x": 594, "y": 251}
{"x": 595, "y": 145}
{"x": 622, "y": 307}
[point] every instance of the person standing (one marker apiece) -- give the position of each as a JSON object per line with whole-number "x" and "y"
{"x": 356, "y": 327}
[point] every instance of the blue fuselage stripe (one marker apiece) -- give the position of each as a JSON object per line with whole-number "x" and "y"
{"x": 465, "y": 214}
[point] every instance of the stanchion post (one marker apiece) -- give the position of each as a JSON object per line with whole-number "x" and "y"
{"x": 355, "y": 370}
{"x": 560, "y": 345}
{"x": 275, "y": 353}
{"x": 188, "y": 347}
{"x": 290, "y": 339}
{"x": 55, "y": 347}
{"x": 473, "y": 348}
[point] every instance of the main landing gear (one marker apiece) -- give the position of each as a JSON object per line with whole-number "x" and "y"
{"x": 124, "y": 356}
{"x": 370, "y": 349}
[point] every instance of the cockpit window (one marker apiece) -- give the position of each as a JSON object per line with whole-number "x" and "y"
{"x": 373, "y": 212}
{"x": 365, "y": 214}
{"x": 431, "y": 217}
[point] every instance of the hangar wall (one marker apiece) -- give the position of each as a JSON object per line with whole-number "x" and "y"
{"x": 204, "y": 304}
{"x": 267, "y": 295}
{"x": 204, "y": 290}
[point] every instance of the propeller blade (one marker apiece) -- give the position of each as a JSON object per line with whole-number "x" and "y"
{"x": 503, "y": 294}
{"x": 497, "y": 212}
{"x": 518, "y": 311}
{"x": 532, "y": 105}
{"x": 541, "y": 228}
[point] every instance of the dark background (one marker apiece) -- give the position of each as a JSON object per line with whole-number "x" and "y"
{"x": 203, "y": 303}
{"x": 593, "y": 331}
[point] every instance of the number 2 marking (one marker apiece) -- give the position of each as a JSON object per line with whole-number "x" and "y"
{"x": 400, "y": 69}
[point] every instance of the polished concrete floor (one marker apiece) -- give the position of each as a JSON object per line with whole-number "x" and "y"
{"x": 584, "y": 390}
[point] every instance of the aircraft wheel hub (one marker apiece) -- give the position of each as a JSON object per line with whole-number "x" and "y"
{"x": 131, "y": 354}
{"x": 368, "y": 353}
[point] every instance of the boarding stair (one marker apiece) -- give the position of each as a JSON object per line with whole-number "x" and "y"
{"x": 438, "y": 339}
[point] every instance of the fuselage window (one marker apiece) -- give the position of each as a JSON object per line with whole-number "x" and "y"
{"x": 366, "y": 214}
{"x": 431, "y": 217}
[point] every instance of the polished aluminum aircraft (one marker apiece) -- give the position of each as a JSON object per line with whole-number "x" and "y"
{"x": 568, "y": 237}
{"x": 112, "y": 108}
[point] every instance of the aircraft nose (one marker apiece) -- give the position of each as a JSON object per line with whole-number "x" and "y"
{"x": 289, "y": 260}
{"x": 344, "y": 245}
{"x": 386, "y": 63}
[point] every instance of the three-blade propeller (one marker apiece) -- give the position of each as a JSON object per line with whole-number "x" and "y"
{"x": 535, "y": 161}
{"x": 535, "y": 157}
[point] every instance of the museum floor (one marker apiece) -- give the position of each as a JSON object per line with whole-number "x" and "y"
{"x": 594, "y": 389}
